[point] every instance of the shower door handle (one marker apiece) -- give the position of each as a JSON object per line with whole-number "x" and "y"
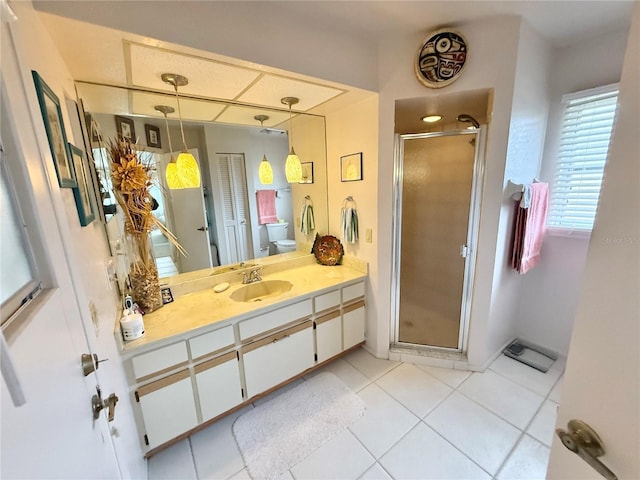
{"x": 464, "y": 251}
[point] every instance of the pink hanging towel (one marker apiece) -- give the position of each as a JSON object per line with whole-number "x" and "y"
{"x": 534, "y": 227}
{"x": 266, "y": 200}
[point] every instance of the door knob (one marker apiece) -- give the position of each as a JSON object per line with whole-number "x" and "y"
{"x": 202, "y": 229}
{"x": 583, "y": 440}
{"x": 97, "y": 404}
{"x": 87, "y": 361}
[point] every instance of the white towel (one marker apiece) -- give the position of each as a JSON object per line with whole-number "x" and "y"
{"x": 349, "y": 224}
{"x": 307, "y": 220}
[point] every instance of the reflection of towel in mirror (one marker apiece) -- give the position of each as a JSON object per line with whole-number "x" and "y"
{"x": 349, "y": 224}
{"x": 266, "y": 200}
{"x": 307, "y": 221}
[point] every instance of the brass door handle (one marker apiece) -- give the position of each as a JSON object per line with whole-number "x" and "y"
{"x": 97, "y": 404}
{"x": 583, "y": 440}
{"x": 87, "y": 361}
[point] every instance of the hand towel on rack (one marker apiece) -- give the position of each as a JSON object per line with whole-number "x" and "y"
{"x": 349, "y": 223}
{"x": 530, "y": 228}
{"x": 307, "y": 220}
{"x": 266, "y": 200}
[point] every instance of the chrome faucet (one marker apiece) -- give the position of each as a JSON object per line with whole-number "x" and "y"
{"x": 251, "y": 276}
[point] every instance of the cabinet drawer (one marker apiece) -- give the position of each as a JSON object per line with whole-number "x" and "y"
{"x": 326, "y": 301}
{"x": 160, "y": 360}
{"x": 277, "y": 318}
{"x": 352, "y": 292}
{"x": 275, "y": 359}
{"x": 211, "y": 342}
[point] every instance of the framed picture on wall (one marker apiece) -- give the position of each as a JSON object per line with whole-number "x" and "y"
{"x": 153, "y": 136}
{"x": 125, "y": 128}
{"x": 54, "y": 126}
{"x": 351, "y": 167}
{"x": 307, "y": 172}
{"x": 84, "y": 191}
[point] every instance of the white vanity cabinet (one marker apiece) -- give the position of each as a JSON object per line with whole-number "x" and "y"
{"x": 201, "y": 376}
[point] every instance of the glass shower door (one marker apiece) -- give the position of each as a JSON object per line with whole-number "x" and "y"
{"x": 436, "y": 195}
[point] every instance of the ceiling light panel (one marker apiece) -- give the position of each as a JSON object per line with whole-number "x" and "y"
{"x": 144, "y": 103}
{"x": 238, "y": 115}
{"x": 207, "y": 78}
{"x": 271, "y": 88}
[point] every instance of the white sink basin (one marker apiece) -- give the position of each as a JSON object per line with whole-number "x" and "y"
{"x": 256, "y": 292}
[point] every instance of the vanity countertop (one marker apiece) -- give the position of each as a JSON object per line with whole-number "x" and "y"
{"x": 193, "y": 311}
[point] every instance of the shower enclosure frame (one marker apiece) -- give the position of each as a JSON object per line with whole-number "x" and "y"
{"x": 479, "y": 165}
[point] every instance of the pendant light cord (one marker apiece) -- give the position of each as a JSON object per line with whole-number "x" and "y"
{"x": 184, "y": 143}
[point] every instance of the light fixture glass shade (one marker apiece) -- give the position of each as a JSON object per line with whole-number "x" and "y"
{"x": 293, "y": 167}
{"x": 188, "y": 170}
{"x": 265, "y": 173}
{"x": 174, "y": 182}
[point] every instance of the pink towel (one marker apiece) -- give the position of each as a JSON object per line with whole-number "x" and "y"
{"x": 530, "y": 228}
{"x": 266, "y": 206}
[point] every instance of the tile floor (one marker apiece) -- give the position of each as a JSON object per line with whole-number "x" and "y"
{"x": 421, "y": 423}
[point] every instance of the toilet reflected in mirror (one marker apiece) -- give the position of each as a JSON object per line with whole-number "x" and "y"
{"x": 277, "y": 233}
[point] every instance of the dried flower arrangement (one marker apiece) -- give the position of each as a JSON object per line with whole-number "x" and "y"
{"x": 131, "y": 177}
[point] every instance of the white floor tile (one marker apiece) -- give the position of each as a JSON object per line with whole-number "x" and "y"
{"x": 451, "y": 377}
{"x": 375, "y": 473}
{"x": 543, "y": 425}
{"x": 346, "y": 372}
{"x": 528, "y": 461}
{"x": 215, "y": 450}
{"x": 241, "y": 475}
{"x": 414, "y": 388}
{"x": 341, "y": 458}
{"x": 423, "y": 454}
{"x": 278, "y": 392}
{"x": 478, "y": 433}
{"x": 507, "y": 399}
{"x": 369, "y": 365}
{"x": 556, "y": 392}
{"x": 171, "y": 463}
{"x": 526, "y": 376}
{"x": 384, "y": 422}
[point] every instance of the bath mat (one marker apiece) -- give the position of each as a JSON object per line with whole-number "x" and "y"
{"x": 277, "y": 434}
{"x": 531, "y": 355}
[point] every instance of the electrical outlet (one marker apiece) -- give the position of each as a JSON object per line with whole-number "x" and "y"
{"x": 368, "y": 235}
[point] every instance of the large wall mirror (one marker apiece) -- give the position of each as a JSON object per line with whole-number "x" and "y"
{"x": 218, "y": 224}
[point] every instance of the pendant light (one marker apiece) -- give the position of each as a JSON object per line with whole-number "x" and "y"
{"x": 171, "y": 173}
{"x": 265, "y": 173}
{"x": 186, "y": 164}
{"x": 292, "y": 167}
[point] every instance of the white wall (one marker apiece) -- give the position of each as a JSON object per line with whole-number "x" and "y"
{"x": 602, "y": 379}
{"x": 86, "y": 246}
{"x": 549, "y": 292}
{"x": 524, "y": 152}
{"x": 351, "y": 130}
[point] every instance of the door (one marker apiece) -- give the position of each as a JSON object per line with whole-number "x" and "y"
{"x": 235, "y": 207}
{"x": 601, "y": 385}
{"x": 435, "y": 211}
{"x": 189, "y": 224}
{"x": 53, "y": 433}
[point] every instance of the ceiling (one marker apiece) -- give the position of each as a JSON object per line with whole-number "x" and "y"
{"x": 106, "y": 56}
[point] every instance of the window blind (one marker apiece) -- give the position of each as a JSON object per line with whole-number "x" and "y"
{"x": 584, "y": 143}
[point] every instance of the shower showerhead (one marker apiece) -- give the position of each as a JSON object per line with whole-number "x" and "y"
{"x": 464, "y": 117}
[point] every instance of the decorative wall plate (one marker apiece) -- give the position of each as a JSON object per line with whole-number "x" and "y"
{"x": 328, "y": 250}
{"x": 441, "y": 58}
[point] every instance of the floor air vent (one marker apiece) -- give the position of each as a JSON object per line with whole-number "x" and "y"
{"x": 531, "y": 355}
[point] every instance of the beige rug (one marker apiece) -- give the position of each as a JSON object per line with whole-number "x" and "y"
{"x": 277, "y": 434}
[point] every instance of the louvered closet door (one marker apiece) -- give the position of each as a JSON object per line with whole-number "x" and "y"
{"x": 235, "y": 206}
